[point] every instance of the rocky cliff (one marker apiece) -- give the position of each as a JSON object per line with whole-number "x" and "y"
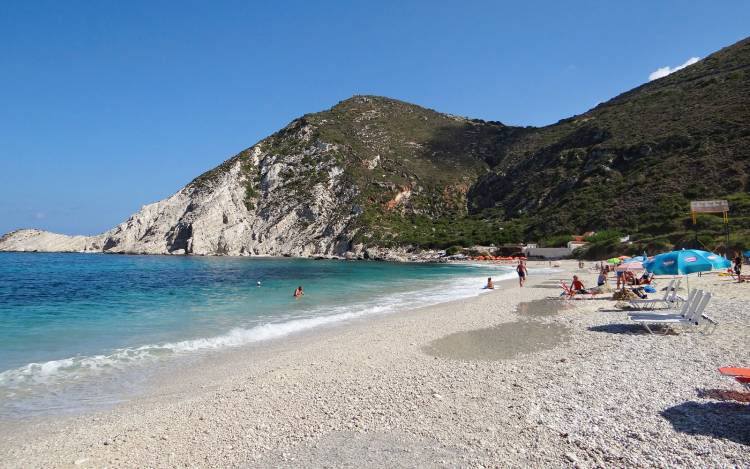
{"x": 332, "y": 183}
{"x": 243, "y": 207}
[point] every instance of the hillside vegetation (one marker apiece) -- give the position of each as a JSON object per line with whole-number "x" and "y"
{"x": 629, "y": 166}
{"x": 633, "y": 163}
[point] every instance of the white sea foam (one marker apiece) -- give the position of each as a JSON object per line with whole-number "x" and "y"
{"x": 74, "y": 368}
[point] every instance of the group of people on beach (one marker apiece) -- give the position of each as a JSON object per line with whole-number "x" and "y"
{"x": 623, "y": 277}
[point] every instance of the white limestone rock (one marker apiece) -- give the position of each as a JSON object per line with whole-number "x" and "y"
{"x": 210, "y": 216}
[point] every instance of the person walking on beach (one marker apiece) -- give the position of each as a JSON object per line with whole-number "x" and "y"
{"x": 298, "y": 292}
{"x": 738, "y": 266}
{"x": 521, "y": 270}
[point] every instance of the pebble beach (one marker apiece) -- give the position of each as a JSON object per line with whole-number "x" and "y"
{"x": 512, "y": 378}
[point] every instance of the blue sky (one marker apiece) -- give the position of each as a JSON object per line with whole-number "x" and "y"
{"x": 107, "y": 106}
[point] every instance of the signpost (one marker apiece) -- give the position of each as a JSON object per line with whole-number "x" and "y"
{"x": 711, "y": 206}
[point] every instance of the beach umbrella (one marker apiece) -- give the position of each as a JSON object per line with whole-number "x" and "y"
{"x": 683, "y": 262}
{"x": 637, "y": 259}
{"x": 614, "y": 260}
{"x": 717, "y": 262}
{"x": 629, "y": 266}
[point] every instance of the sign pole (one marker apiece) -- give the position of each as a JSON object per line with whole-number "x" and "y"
{"x": 711, "y": 206}
{"x": 726, "y": 233}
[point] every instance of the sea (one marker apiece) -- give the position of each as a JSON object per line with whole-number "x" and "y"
{"x": 81, "y": 331}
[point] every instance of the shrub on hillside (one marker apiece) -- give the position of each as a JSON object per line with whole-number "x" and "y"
{"x": 555, "y": 241}
{"x": 453, "y": 250}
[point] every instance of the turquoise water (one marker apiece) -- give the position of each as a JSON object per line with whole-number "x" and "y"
{"x": 69, "y": 322}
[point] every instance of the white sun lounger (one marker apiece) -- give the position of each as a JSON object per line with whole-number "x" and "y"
{"x": 693, "y": 315}
{"x": 670, "y": 298}
{"x": 687, "y": 308}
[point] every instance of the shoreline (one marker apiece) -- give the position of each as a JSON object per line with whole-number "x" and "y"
{"x": 141, "y": 359}
{"x": 188, "y": 363}
{"x": 419, "y": 257}
{"x": 366, "y": 392}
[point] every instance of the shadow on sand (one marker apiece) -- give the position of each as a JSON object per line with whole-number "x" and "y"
{"x": 504, "y": 341}
{"x": 725, "y": 420}
{"x": 539, "y": 308}
{"x": 724, "y": 395}
{"x": 625, "y": 329}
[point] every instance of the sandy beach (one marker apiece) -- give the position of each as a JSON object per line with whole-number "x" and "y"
{"x": 484, "y": 382}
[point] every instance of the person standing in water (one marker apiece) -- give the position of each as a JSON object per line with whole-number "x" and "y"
{"x": 521, "y": 270}
{"x": 298, "y": 292}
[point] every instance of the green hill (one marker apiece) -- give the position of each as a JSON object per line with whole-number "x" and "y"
{"x": 630, "y": 165}
{"x": 374, "y": 172}
{"x": 408, "y": 170}
{"x": 633, "y": 163}
{"x": 413, "y": 168}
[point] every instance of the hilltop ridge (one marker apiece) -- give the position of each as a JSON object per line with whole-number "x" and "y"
{"x": 374, "y": 175}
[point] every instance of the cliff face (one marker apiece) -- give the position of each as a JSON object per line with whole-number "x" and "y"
{"x": 243, "y": 207}
{"x": 328, "y": 183}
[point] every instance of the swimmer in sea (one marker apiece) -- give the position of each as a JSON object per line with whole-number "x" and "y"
{"x": 490, "y": 285}
{"x": 298, "y": 292}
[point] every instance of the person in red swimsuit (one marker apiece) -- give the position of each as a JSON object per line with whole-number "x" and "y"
{"x": 577, "y": 286}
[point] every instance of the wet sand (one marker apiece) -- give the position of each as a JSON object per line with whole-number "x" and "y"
{"x": 507, "y": 340}
{"x": 501, "y": 342}
{"x": 541, "y": 308}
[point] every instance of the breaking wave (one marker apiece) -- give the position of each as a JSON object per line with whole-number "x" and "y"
{"x": 75, "y": 368}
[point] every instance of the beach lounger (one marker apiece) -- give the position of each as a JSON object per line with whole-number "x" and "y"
{"x": 696, "y": 316}
{"x": 693, "y": 315}
{"x": 741, "y": 375}
{"x": 687, "y": 308}
{"x": 731, "y": 273}
{"x": 670, "y": 298}
{"x": 734, "y": 371}
{"x": 571, "y": 295}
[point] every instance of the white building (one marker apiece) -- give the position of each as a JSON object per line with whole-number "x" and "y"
{"x": 573, "y": 245}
